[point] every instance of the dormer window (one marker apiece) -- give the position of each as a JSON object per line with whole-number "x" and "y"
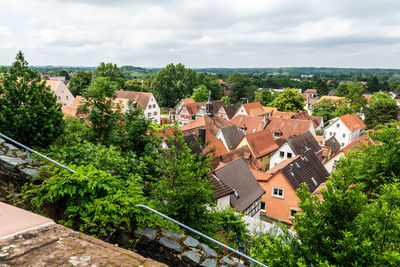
{"x": 277, "y": 134}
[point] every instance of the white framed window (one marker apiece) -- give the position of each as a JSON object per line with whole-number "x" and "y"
{"x": 289, "y": 155}
{"x": 278, "y": 192}
{"x": 281, "y": 154}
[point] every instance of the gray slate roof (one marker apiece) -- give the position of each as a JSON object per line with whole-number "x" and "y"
{"x": 232, "y": 136}
{"x": 238, "y": 176}
{"x": 303, "y": 168}
{"x": 302, "y": 142}
{"x": 333, "y": 144}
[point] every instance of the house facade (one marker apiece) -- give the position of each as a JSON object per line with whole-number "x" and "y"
{"x": 64, "y": 95}
{"x": 346, "y": 129}
{"x": 226, "y": 112}
{"x": 147, "y": 102}
{"x": 250, "y": 109}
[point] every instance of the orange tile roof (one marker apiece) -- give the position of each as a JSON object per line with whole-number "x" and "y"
{"x": 261, "y": 143}
{"x": 53, "y": 84}
{"x": 192, "y": 108}
{"x": 352, "y": 122}
{"x": 367, "y": 96}
{"x": 187, "y": 100}
{"x": 331, "y": 97}
{"x": 69, "y": 111}
{"x": 310, "y": 91}
{"x": 356, "y": 144}
{"x": 260, "y": 175}
{"x": 288, "y": 127}
{"x": 270, "y": 109}
{"x": 140, "y": 97}
{"x": 282, "y": 114}
{"x": 214, "y": 123}
{"x": 251, "y": 123}
{"x": 320, "y": 139}
{"x": 251, "y": 106}
{"x": 241, "y": 152}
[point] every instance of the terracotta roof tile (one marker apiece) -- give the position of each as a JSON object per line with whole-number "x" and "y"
{"x": 230, "y": 111}
{"x": 352, "y": 122}
{"x": 187, "y": 100}
{"x": 288, "y": 127}
{"x": 310, "y": 91}
{"x": 140, "y": 97}
{"x": 251, "y": 106}
{"x": 261, "y": 143}
{"x": 250, "y": 123}
{"x": 331, "y": 98}
{"x": 282, "y": 114}
{"x": 260, "y": 175}
{"x": 241, "y": 152}
{"x": 356, "y": 144}
{"x": 192, "y": 108}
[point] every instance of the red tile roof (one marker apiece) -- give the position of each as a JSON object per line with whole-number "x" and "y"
{"x": 140, "y": 97}
{"x": 241, "y": 152}
{"x": 288, "y": 127}
{"x": 356, "y": 144}
{"x": 250, "y": 123}
{"x": 310, "y": 91}
{"x": 352, "y": 122}
{"x": 252, "y": 106}
{"x": 192, "y": 108}
{"x": 261, "y": 143}
{"x": 282, "y": 114}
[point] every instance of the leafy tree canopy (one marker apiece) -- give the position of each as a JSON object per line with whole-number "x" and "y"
{"x": 80, "y": 80}
{"x": 265, "y": 97}
{"x": 29, "y": 110}
{"x": 173, "y": 83}
{"x": 289, "y": 100}
{"x": 200, "y": 93}
{"x": 135, "y": 86}
{"x": 110, "y": 71}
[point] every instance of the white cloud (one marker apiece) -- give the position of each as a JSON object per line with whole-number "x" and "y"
{"x": 236, "y": 33}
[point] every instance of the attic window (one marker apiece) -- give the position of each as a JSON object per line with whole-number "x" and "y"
{"x": 337, "y": 125}
{"x": 277, "y": 134}
{"x": 282, "y": 154}
{"x": 297, "y": 164}
{"x": 235, "y": 193}
{"x": 312, "y": 179}
{"x": 277, "y": 192}
{"x": 289, "y": 155}
{"x": 249, "y": 161}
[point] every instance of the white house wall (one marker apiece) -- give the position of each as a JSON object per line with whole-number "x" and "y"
{"x": 276, "y": 158}
{"x": 241, "y": 111}
{"x": 341, "y": 133}
{"x": 332, "y": 162}
{"x": 224, "y": 201}
{"x": 153, "y": 110}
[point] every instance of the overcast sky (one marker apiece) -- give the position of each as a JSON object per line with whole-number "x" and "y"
{"x": 202, "y": 33}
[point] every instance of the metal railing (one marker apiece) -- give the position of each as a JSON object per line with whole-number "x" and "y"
{"x": 204, "y": 236}
{"x": 28, "y": 150}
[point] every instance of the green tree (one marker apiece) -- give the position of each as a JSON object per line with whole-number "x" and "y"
{"x": 110, "y": 71}
{"x": 173, "y": 83}
{"x": 200, "y": 93}
{"x": 29, "y": 111}
{"x": 99, "y": 103}
{"x": 135, "y": 86}
{"x": 65, "y": 73}
{"x": 289, "y": 100}
{"x": 382, "y": 109}
{"x": 322, "y": 87}
{"x": 80, "y": 80}
{"x": 373, "y": 84}
{"x": 354, "y": 92}
{"x": 183, "y": 188}
{"x": 326, "y": 109}
{"x": 265, "y": 97}
{"x": 211, "y": 82}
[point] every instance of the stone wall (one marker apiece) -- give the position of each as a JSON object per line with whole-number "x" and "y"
{"x": 14, "y": 168}
{"x": 176, "y": 249}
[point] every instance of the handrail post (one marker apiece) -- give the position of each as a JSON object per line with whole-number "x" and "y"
{"x": 28, "y": 159}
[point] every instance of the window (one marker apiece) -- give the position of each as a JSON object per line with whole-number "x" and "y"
{"x": 337, "y": 125}
{"x": 59, "y": 98}
{"x": 313, "y": 180}
{"x": 344, "y": 135}
{"x": 334, "y": 134}
{"x": 155, "y": 113}
{"x": 277, "y": 192}
{"x": 277, "y": 134}
{"x": 154, "y": 105}
{"x": 342, "y": 144}
{"x": 263, "y": 206}
{"x": 289, "y": 155}
{"x": 330, "y": 133}
{"x": 292, "y": 213}
{"x": 149, "y": 114}
{"x": 281, "y": 154}
{"x": 66, "y": 97}
{"x": 149, "y": 106}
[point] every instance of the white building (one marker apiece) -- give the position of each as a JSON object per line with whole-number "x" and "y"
{"x": 147, "y": 101}
{"x": 64, "y": 96}
{"x": 346, "y": 129}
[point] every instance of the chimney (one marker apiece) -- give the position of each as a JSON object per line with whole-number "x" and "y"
{"x": 202, "y": 136}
